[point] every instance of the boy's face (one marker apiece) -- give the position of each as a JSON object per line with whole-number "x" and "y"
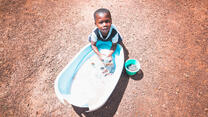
{"x": 103, "y": 22}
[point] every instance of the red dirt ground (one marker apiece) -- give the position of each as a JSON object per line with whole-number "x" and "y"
{"x": 168, "y": 37}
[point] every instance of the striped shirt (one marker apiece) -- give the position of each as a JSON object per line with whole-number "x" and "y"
{"x": 113, "y": 35}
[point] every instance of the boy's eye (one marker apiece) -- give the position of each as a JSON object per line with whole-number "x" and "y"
{"x": 107, "y": 21}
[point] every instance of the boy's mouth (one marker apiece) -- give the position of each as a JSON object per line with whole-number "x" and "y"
{"x": 105, "y": 30}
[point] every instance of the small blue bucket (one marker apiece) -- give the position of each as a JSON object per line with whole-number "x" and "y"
{"x": 132, "y": 62}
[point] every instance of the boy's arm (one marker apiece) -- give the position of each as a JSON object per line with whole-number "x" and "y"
{"x": 113, "y": 48}
{"x": 114, "y": 44}
{"x": 95, "y": 49}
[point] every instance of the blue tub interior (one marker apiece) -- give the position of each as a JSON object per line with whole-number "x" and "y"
{"x": 66, "y": 78}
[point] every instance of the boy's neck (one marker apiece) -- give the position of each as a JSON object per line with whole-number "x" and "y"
{"x": 105, "y": 35}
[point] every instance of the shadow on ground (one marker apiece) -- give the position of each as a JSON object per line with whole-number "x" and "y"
{"x": 138, "y": 76}
{"x": 110, "y": 107}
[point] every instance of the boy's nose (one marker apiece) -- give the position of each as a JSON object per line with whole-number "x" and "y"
{"x": 104, "y": 24}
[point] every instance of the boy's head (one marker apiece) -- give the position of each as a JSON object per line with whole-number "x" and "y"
{"x": 103, "y": 20}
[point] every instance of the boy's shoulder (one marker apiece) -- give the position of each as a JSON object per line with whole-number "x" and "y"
{"x": 113, "y": 26}
{"x": 96, "y": 28}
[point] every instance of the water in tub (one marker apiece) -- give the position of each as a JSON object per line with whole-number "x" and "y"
{"x": 90, "y": 82}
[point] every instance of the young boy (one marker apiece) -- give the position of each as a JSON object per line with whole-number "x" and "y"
{"x": 105, "y": 31}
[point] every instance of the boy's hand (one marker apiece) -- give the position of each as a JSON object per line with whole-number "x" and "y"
{"x": 101, "y": 57}
{"x": 110, "y": 58}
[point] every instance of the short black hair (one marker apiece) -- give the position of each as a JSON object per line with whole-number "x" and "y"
{"x": 101, "y": 10}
